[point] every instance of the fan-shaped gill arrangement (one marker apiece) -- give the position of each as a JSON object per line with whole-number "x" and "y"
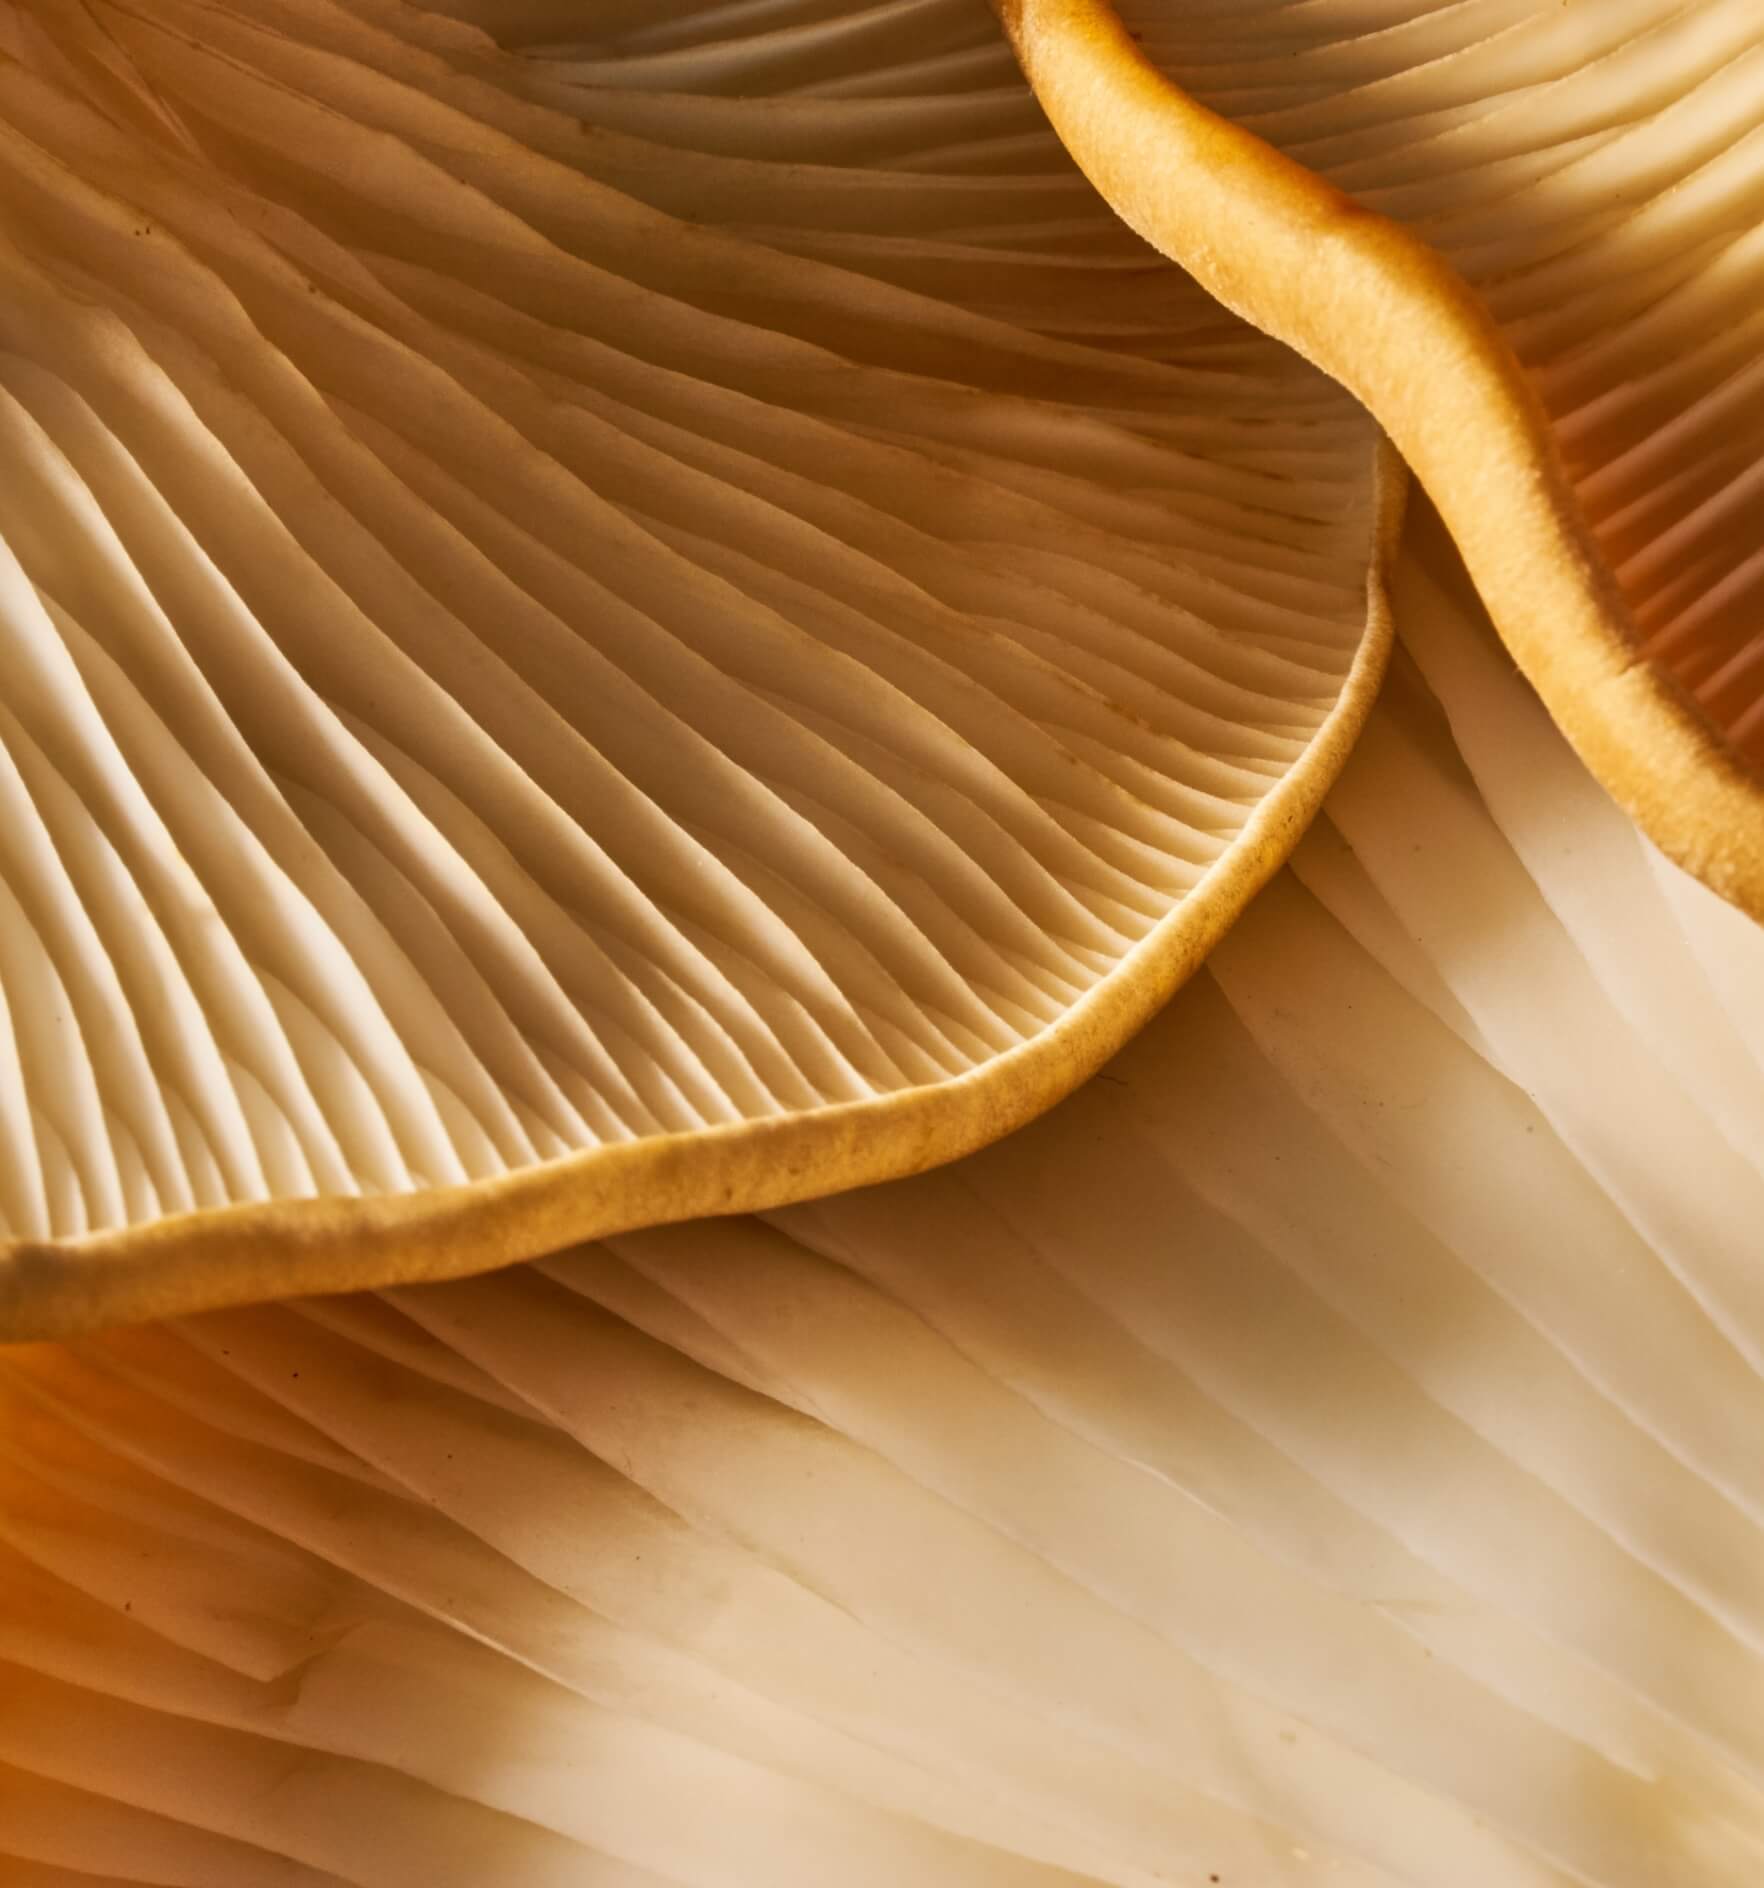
{"x": 1531, "y": 238}
{"x": 1222, "y": 1478}
{"x": 566, "y": 668}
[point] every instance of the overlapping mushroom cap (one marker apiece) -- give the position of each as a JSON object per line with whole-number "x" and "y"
{"x": 610, "y": 612}
{"x": 1321, "y": 1451}
{"x": 1531, "y": 238}
{"x": 570, "y": 666}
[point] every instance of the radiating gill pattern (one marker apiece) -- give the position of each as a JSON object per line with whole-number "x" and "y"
{"x": 1220, "y": 1481}
{"x": 900, "y": 135}
{"x": 498, "y": 668}
{"x": 1596, "y": 171}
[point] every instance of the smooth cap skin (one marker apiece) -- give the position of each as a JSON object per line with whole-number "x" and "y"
{"x": 1379, "y": 301}
{"x": 569, "y": 675}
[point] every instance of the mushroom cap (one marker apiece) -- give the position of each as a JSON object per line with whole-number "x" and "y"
{"x": 564, "y": 675}
{"x": 1323, "y": 1450}
{"x": 1529, "y": 239}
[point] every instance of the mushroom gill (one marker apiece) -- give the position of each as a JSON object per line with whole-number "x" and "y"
{"x": 1322, "y": 1450}
{"x": 578, "y": 655}
{"x": 1531, "y": 239}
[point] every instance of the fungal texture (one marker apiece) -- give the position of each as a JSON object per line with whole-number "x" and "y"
{"x": 1531, "y": 239}
{"x": 578, "y": 653}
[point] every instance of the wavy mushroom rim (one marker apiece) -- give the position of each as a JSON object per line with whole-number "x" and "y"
{"x": 234, "y": 1255}
{"x": 1353, "y": 291}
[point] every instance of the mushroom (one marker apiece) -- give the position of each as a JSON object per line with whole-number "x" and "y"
{"x": 771, "y": 631}
{"x": 1322, "y": 1449}
{"x": 1528, "y": 238}
{"x": 569, "y": 669}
